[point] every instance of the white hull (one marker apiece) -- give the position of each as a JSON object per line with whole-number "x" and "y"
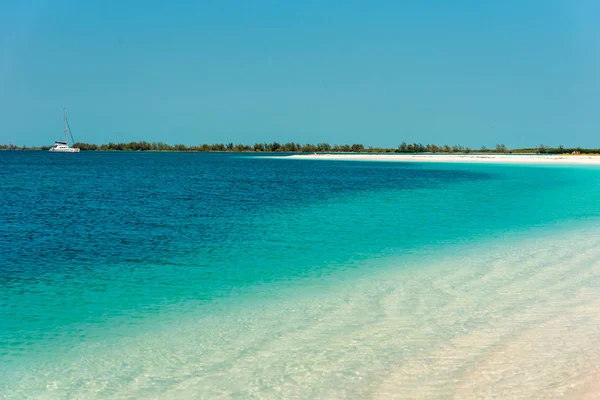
{"x": 64, "y": 150}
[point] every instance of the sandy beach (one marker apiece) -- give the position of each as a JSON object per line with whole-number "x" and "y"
{"x": 466, "y": 158}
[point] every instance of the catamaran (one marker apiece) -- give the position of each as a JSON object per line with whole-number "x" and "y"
{"x": 63, "y": 147}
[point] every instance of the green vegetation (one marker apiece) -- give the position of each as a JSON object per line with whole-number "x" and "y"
{"x": 293, "y": 147}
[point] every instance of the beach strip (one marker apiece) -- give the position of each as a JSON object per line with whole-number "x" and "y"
{"x": 455, "y": 158}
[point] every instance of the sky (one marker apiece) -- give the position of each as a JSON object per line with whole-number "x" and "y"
{"x": 475, "y": 73}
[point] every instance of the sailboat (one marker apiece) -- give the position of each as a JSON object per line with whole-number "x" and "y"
{"x": 63, "y": 147}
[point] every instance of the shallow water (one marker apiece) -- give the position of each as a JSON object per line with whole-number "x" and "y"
{"x": 191, "y": 275}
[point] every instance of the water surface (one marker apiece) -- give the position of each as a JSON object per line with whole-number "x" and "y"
{"x": 212, "y": 275}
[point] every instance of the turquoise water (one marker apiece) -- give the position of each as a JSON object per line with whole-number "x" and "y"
{"x": 175, "y": 275}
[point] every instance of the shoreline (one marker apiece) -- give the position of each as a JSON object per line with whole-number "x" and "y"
{"x": 475, "y": 158}
{"x": 499, "y": 354}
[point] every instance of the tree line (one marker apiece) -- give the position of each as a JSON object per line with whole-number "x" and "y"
{"x": 293, "y": 147}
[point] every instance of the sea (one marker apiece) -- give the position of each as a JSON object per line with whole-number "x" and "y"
{"x": 130, "y": 275}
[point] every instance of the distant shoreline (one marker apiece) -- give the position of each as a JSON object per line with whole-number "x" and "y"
{"x": 319, "y": 148}
{"x": 565, "y": 159}
{"x": 472, "y": 157}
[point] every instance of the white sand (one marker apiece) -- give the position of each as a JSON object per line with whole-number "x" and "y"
{"x": 467, "y": 158}
{"x": 515, "y": 319}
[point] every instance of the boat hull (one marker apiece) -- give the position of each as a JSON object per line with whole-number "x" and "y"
{"x": 64, "y": 150}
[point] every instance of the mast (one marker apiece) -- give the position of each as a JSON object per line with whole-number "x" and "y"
{"x": 65, "y": 124}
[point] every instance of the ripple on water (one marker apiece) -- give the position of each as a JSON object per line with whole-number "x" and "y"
{"x": 517, "y": 319}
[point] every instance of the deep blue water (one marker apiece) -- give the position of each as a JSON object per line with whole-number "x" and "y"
{"x": 90, "y": 241}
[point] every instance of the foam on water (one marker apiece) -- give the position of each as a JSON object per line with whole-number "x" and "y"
{"x": 517, "y": 318}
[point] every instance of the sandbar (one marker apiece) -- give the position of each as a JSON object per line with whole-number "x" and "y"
{"x": 456, "y": 158}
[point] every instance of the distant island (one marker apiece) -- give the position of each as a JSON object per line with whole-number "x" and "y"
{"x": 293, "y": 147}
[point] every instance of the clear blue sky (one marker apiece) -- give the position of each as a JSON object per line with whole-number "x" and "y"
{"x": 372, "y": 72}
